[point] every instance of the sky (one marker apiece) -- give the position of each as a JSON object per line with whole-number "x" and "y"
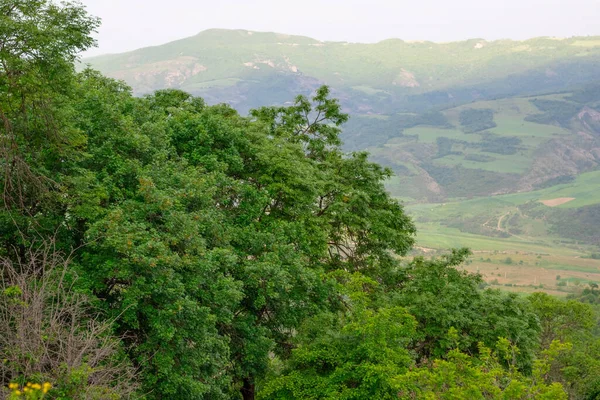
{"x": 131, "y": 24}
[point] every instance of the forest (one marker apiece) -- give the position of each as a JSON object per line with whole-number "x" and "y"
{"x": 158, "y": 247}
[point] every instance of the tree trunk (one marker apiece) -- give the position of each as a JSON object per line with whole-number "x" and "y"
{"x": 248, "y": 390}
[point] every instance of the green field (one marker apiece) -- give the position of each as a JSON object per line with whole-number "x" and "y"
{"x": 536, "y": 256}
{"x": 429, "y": 134}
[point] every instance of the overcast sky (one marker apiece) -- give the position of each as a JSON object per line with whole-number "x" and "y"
{"x": 130, "y": 24}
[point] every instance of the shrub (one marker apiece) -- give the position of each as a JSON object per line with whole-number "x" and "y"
{"x": 50, "y": 333}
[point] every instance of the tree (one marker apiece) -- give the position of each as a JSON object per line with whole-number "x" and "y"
{"x": 353, "y": 354}
{"x": 574, "y": 322}
{"x": 156, "y": 253}
{"x": 461, "y": 376}
{"x": 442, "y": 297}
{"x": 296, "y": 207}
{"x": 223, "y": 228}
{"x": 39, "y": 42}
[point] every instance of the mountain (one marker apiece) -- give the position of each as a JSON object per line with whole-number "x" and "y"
{"x": 249, "y": 69}
{"x": 454, "y": 121}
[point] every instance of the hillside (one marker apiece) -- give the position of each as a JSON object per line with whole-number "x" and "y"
{"x": 489, "y": 147}
{"x": 546, "y": 238}
{"x": 248, "y": 69}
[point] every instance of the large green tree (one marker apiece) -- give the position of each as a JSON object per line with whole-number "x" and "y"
{"x": 39, "y": 42}
{"x": 209, "y": 234}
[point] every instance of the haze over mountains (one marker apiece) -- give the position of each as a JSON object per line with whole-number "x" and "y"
{"x": 453, "y": 120}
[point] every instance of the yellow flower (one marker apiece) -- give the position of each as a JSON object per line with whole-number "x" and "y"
{"x": 36, "y": 386}
{"x": 47, "y": 386}
{"x": 17, "y": 392}
{"x": 26, "y": 389}
{"x": 13, "y": 386}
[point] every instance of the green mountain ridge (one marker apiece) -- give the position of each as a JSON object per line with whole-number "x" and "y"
{"x": 230, "y": 66}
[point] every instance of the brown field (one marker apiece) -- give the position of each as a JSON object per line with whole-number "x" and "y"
{"x": 529, "y": 272}
{"x": 557, "y": 202}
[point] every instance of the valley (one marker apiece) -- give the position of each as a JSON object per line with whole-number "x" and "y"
{"x": 521, "y": 241}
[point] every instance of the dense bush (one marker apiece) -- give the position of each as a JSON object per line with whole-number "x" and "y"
{"x": 491, "y": 143}
{"x": 554, "y": 112}
{"x": 476, "y": 120}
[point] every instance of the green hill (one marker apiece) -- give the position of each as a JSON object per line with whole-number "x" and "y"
{"x": 248, "y": 69}
{"x": 488, "y": 147}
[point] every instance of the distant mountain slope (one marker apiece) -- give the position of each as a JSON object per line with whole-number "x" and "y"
{"x": 248, "y": 69}
{"x": 490, "y": 147}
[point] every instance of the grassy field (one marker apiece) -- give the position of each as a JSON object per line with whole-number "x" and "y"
{"x": 429, "y": 134}
{"x": 528, "y": 261}
{"x": 509, "y": 150}
{"x": 514, "y": 264}
{"x": 509, "y": 116}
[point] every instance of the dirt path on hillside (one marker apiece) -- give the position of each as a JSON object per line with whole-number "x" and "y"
{"x": 499, "y": 227}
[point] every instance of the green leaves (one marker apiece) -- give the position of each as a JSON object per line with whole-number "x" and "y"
{"x": 208, "y": 234}
{"x": 39, "y": 43}
{"x": 349, "y": 355}
{"x": 461, "y": 376}
{"x": 442, "y": 297}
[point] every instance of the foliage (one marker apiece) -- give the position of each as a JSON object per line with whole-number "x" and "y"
{"x": 476, "y": 120}
{"x": 575, "y": 322}
{"x": 206, "y": 235}
{"x": 491, "y": 143}
{"x": 40, "y": 41}
{"x": 442, "y": 297}
{"x": 555, "y": 112}
{"x": 354, "y": 354}
{"x": 462, "y": 376}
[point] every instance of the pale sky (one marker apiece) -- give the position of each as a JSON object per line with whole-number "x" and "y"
{"x": 131, "y": 24}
